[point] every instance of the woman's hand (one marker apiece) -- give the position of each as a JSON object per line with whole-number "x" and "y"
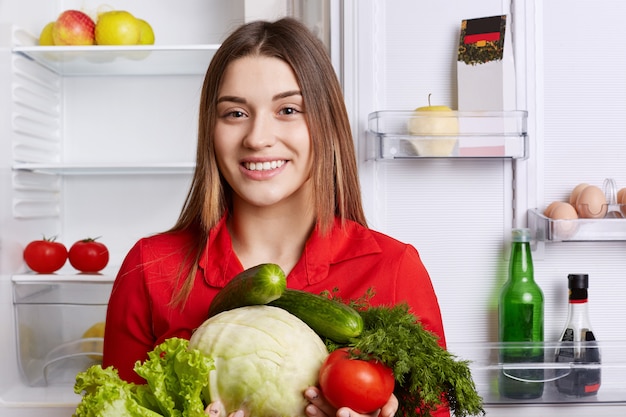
{"x": 319, "y": 407}
{"x": 215, "y": 409}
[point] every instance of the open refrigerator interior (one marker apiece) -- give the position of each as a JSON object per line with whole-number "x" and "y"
{"x": 102, "y": 144}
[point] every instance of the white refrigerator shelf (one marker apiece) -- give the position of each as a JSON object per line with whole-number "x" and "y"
{"x": 122, "y": 60}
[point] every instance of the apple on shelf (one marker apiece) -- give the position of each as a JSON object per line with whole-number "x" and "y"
{"x": 437, "y": 126}
{"x": 114, "y": 27}
{"x": 73, "y": 27}
{"x": 46, "y": 38}
{"x": 117, "y": 27}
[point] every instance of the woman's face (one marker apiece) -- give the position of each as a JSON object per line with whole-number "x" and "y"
{"x": 262, "y": 141}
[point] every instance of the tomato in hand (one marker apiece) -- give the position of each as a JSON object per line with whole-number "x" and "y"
{"x": 45, "y": 256}
{"x": 87, "y": 255}
{"x": 362, "y": 385}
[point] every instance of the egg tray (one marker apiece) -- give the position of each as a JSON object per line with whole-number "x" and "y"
{"x": 612, "y": 227}
{"x": 602, "y": 222}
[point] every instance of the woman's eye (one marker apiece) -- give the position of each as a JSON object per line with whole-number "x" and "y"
{"x": 235, "y": 114}
{"x": 289, "y": 110}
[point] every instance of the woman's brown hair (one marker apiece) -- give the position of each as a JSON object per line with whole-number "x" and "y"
{"x": 335, "y": 179}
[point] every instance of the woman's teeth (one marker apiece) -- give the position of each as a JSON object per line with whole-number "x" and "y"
{"x": 263, "y": 166}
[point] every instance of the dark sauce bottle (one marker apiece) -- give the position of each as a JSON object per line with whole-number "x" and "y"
{"x": 578, "y": 344}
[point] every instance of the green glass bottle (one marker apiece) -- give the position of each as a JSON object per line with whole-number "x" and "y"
{"x": 521, "y": 324}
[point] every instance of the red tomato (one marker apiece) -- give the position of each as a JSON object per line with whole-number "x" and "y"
{"x": 364, "y": 386}
{"x": 87, "y": 255}
{"x": 45, "y": 256}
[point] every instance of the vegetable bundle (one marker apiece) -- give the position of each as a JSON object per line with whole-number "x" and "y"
{"x": 180, "y": 379}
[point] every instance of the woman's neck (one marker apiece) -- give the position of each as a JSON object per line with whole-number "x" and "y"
{"x": 270, "y": 235}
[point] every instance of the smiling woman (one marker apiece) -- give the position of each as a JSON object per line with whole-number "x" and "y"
{"x": 275, "y": 182}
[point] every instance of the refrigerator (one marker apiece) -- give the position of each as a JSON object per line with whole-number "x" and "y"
{"x": 100, "y": 141}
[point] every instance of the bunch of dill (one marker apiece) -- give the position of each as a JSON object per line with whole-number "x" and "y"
{"x": 427, "y": 375}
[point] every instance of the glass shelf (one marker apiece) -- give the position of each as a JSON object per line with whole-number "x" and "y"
{"x": 545, "y": 229}
{"x": 65, "y": 275}
{"x": 122, "y": 60}
{"x": 407, "y": 135}
{"x": 107, "y": 168}
{"x": 487, "y": 367}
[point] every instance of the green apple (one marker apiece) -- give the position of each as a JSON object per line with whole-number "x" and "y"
{"x": 117, "y": 27}
{"x": 46, "y": 38}
{"x": 146, "y": 34}
{"x": 146, "y": 37}
{"x": 430, "y": 122}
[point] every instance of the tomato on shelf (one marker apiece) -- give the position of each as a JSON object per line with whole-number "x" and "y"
{"x": 88, "y": 255}
{"x": 362, "y": 385}
{"x": 45, "y": 256}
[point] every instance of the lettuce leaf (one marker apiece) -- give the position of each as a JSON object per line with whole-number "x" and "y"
{"x": 175, "y": 378}
{"x": 106, "y": 394}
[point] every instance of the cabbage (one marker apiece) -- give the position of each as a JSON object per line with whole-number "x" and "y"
{"x": 264, "y": 358}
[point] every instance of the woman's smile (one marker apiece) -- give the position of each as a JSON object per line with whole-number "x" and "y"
{"x": 262, "y": 170}
{"x": 264, "y": 166}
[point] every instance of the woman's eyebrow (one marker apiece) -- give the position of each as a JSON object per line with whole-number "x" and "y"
{"x": 234, "y": 99}
{"x": 287, "y": 94}
{"x": 237, "y": 99}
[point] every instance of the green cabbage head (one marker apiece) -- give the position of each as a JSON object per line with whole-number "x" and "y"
{"x": 264, "y": 359}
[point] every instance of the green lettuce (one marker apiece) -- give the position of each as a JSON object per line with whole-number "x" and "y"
{"x": 175, "y": 378}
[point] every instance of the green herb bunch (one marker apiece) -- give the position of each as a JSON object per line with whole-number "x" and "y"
{"x": 427, "y": 375}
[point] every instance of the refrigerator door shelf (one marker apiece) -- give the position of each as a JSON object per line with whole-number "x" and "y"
{"x": 447, "y": 134}
{"x": 545, "y": 229}
{"x": 487, "y": 366}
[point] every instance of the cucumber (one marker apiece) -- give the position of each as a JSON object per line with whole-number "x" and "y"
{"x": 254, "y": 286}
{"x": 328, "y": 318}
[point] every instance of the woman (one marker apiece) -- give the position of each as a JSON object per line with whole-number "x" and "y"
{"x": 275, "y": 181}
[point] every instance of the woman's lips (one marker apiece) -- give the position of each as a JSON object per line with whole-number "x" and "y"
{"x": 262, "y": 170}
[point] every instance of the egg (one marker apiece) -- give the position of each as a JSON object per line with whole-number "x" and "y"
{"x": 564, "y": 225}
{"x": 621, "y": 199}
{"x": 548, "y": 211}
{"x": 562, "y": 211}
{"x": 574, "y": 194}
{"x": 591, "y": 203}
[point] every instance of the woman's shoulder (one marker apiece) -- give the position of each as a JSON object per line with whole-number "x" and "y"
{"x": 158, "y": 254}
{"x": 164, "y": 244}
{"x": 381, "y": 238}
{"x": 386, "y": 244}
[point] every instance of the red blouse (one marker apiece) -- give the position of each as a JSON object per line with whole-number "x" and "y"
{"x": 351, "y": 259}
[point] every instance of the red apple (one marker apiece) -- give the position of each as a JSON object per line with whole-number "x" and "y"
{"x": 73, "y": 27}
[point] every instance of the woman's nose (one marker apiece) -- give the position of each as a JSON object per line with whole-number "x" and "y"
{"x": 261, "y": 133}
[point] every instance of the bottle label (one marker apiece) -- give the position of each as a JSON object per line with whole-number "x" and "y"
{"x": 579, "y": 381}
